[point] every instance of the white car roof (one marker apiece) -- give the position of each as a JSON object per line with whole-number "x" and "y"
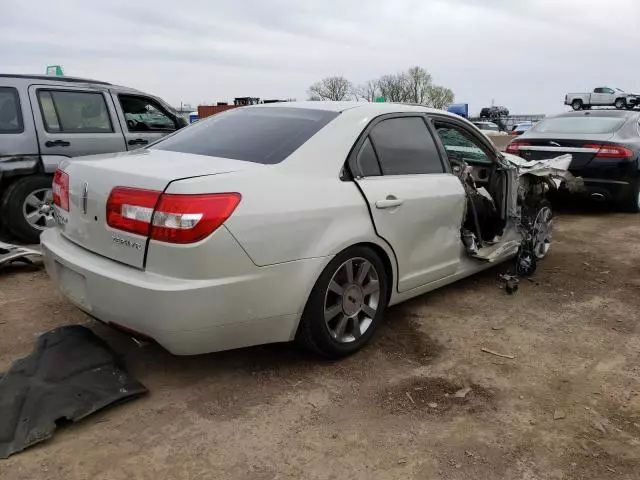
{"x": 366, "y": 108}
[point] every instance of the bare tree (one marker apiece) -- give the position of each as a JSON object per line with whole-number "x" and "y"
{"x": 394, "y": 87}
{"x": 439, "y": 97}
{"x": 419, "y": 82}
{"x": 331, "y": 88}
{"x": 368, "y": 91}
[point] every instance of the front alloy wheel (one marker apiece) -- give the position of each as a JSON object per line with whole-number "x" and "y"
{"x": 37, "y": 209}
{"x": 542, "y": 232}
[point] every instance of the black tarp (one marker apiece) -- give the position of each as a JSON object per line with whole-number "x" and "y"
{"x": 70, "y": 374}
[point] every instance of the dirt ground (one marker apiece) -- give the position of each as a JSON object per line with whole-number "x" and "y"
{"x": 390, "y": 411}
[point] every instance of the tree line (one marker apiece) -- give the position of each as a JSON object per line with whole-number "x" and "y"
{"x": 413, "y": 86}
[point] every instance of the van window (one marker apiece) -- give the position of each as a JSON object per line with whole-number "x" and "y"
{"x": 74, "y": 112}
{"x": 144, "y": 115}
{"x": 10, "y": 113}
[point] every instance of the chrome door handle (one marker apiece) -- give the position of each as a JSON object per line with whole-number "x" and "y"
{"x": 389, "y": 202}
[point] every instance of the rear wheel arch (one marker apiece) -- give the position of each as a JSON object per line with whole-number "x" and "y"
{"x": 310, "y": 330}
{"x": 12, "y": 198}
{"x": 386, "y": 255}
{"x": 386, "y": 260}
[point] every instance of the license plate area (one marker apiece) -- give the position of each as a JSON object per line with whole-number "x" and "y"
{"x": 73, "y": 285}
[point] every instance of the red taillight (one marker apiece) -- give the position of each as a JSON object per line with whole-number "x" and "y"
{"x": 514, "y": 147}
{"x": 610, "y": 151}
{"x": 61, "y": 190}
{"x": 131, "y": 209}
{"x": 169, "y": 218}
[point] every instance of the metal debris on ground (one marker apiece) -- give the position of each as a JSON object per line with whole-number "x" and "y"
{"x": 462, "y": 393}
{"x": 10, "y": 253}
{"x": 511, "y": 283}
{"x": 559, "y": 414}
{"x": 70, "y": 374}
{"x": 497, "y": 354}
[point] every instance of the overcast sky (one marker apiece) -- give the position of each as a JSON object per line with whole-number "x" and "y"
{"x": 525, "y": 54}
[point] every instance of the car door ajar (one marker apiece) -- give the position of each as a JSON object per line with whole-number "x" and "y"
{"x": 143, "y": 119}
{"x": 74, "y": 121}
{"x": 416, "y": 204}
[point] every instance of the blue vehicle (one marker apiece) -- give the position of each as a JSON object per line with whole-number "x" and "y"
{"x": 461, "y": 109}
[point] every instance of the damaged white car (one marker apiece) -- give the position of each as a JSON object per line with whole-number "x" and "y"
{"x": 291, "y": 221}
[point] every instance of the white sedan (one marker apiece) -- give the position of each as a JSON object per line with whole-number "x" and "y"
{"x": 289, "y": 221}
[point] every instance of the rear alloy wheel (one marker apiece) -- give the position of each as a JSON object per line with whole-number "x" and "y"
{"x": 27, "y": 207}
{"x": 620, "y": 103}
{"x": 346, "y": 305}
{"x": 576, "y": 104}
{"x": 542, "y": 231}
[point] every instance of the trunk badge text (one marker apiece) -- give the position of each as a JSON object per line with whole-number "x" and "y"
{"x": 123, "y": 242}
{"x": 85, "y": 197}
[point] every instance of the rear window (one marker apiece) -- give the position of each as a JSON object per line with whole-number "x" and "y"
{"x": 260, "y": 135}
{"x": 586, "y": 124}
{"x": 10, "y": 115}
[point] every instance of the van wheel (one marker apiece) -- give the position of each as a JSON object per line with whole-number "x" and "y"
{"x": 576, "y": 104}
{"x": 26, "y": 207}
{"x": 620, "y": 103}
{"x": 346, "y": 304}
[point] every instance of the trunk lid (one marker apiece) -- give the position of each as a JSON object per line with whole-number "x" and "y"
{"x": 542, "y": 148}
{"x": 91, "y": 180}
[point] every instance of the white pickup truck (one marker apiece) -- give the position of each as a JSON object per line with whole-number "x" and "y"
{"x": 602, "y": 97}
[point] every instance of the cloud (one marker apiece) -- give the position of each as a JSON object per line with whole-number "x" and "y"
{"x": 525, "y": 55}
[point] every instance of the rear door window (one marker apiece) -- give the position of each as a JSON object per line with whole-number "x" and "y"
{"x": 585, "y": 124}
{"x": 74, "y": 112}
{"x": 405, "y": 147}
{"x": 367, "y": 161}
{"x": 10, "y": 112}
{"x": 253, "y": 134}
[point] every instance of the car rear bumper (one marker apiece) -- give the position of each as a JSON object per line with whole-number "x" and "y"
{"x": 262, "y": 305}
{"x": 610, "y": 190}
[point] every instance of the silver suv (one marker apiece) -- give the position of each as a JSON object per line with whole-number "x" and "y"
{"x": 44, "y": 119}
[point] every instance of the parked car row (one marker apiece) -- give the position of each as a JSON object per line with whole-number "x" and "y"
{"x": 45, "y": 119}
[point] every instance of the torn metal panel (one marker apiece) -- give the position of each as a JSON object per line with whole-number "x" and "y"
{"x": 555, "y": 171}
{"x": 70, "y": 374}
{"x": 526, "y": 186}
{"x": 506, "y": 246}
{"x": 14, "y": 253}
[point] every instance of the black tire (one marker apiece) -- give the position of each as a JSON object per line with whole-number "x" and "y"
{"x": 313, "y": 332}
{"x": 632, "y": 203}
{"x": 620, "y": 103}
{"x": 11, "y": 206}
{"x": 576, "y": 104}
